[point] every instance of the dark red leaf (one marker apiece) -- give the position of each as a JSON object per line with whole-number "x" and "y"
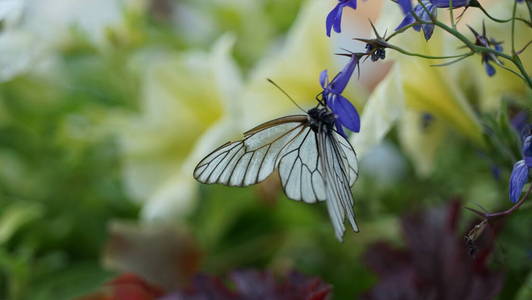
{"x": 435, "y": 263}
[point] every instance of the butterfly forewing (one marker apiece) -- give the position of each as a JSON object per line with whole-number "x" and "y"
{"x": 252, "y": 159}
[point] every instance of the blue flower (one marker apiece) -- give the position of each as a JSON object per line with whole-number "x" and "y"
{"x": 346, "y": 114}
{"x": 520, "y": 171}
{"x": 334, "y": 18}
{"x": 406, "y": 6}
{"x": 425, "y": 13}
{"x": 487, "y": 58}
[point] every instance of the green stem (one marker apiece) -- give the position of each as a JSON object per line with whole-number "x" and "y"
{"x": 502, "y": 20}
{"x": 479, "y": 49}
{"x": 451, "y": 13}
{"x": 514, "y": 58}
{"x": 529, "y": 6}
{"x": 426, "y": 56}
{"x": 513, "y": 27}
{"x": 399, "y": 31}
{"x": 454, "y": 61}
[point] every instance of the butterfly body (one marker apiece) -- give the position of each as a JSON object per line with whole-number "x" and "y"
{"x": 321, "y": 116}
{"x": 314, "y": 161}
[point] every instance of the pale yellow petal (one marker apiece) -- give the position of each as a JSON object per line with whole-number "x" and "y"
{"x": 420, "y": 141}
{"x": 185, "y": 95}
{"x": 384, "y": 107}
{"x": 296, "y": 66}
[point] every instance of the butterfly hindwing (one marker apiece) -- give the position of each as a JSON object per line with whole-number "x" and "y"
{"x": 300, "y": 169}
{"x": 337, "y": 172}
{"x": 348, "y": 156}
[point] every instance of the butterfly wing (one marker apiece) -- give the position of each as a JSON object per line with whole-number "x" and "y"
{"x": 312, "y": 166}
{"x": 300, "y": 169}
{"x": 349, "y": 157}
{"x": 340, "y": 171}
{"x": 252, "y": 159}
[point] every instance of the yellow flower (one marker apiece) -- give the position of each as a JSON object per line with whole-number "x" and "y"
{"x": 189, "y": 105}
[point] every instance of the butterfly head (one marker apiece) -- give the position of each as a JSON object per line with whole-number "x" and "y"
{"x": 321, "y": 117}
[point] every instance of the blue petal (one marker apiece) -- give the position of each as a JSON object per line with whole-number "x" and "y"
{"x": 422, "y": 14}
{"x": 405, "y": 5}
{"x": 339, "y": 128}
{"x": 527, "y": 147}
{"x": 408, "y": 19}
{"x": 496, "y": 46}
{"x": 528, "y": 162}
{"x": 324, "y": 78}
{"x": 337, "y": 24}
{"x": 425, "y": 13}
{"x": 428, "y": 29}
{"x": 339, "y": 82}
{"x": 517, "y": 180}
{"x": 345, "y": 112}
{"x": 447, "y": 3}
{"x": 331, "y": 18}
{"x": 490, "y": 70}
{"x": 351, "y": 3}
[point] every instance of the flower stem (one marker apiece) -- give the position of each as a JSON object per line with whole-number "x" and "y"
{"x": 502, "y": 20}
{"x": 426, "y": 56}
{"x": 451, "y": 13}
{"x": 500, "y": 214}
{"x": 513, "y": 28}
{"x": 479, "y": 49}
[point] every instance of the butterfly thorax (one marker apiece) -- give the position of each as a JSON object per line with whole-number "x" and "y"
{"x": 321, "y": 117}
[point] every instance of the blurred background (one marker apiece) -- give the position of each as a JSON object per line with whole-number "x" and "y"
{"x": 106, "y": 106}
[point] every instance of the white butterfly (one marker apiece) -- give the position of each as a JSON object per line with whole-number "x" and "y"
{"x": 314, "y": 161}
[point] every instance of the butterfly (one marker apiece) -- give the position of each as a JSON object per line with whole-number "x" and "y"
{"x": 315, "y": 162}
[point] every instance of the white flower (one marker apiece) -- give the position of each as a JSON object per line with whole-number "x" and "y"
{"x": 36, "y": 29}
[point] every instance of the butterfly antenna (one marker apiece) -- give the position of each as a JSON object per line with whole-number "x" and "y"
{"x": 286, "y": 94}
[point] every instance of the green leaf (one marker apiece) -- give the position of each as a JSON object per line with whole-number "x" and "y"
{"x": 15, "y": 216}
